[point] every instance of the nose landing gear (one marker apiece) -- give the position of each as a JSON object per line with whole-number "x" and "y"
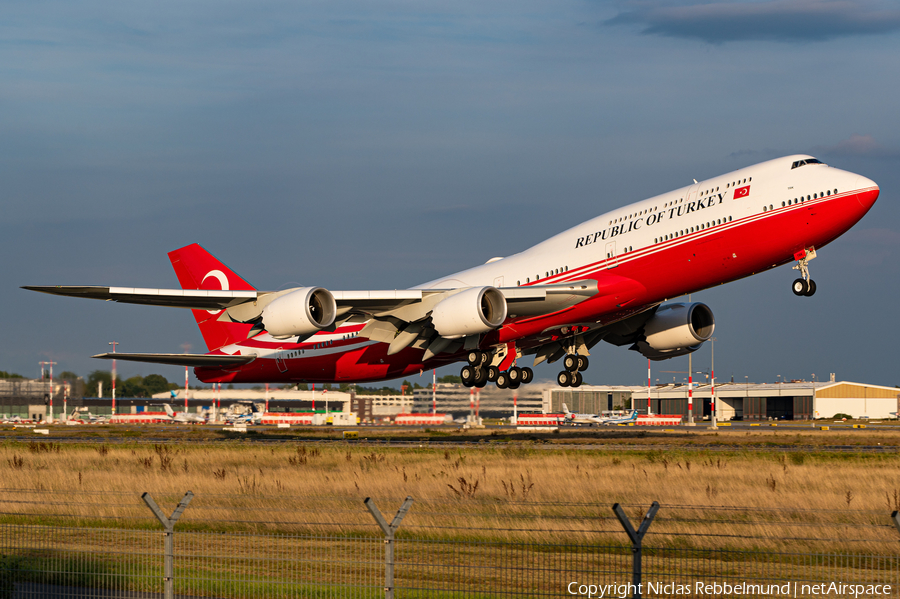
{"x": 804, "y": 285}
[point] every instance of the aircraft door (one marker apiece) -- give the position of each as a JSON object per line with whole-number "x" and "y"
{"x": 612, "y": 260}
{"x": 279, "y": 360}
{"x": 498, "y": 282}
{"x": 691, "y": 195}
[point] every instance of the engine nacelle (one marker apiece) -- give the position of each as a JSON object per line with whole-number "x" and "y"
{"x": 676, "y": 330}
{"x": 301, "y": 312}
{"x": 475, "y": 310}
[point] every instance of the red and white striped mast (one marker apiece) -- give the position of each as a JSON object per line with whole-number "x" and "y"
{"x": 648, "y": 387}
{"x": 185, "y": 389}
{"x": 690, "y": 389}
{"x": 433, "y": 391}
{"x": 712, "y": 386}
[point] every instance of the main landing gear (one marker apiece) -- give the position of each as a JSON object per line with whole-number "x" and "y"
{"x": 571, "y": 376}
{"x": 479, "y": 372}
{"x": 804, "y": 285}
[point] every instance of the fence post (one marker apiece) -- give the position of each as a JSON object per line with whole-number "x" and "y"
{"x": 636, "y": 538}
{"x": 895, "y": 518}
{"x": 389, "y": 530}
{"x": 169, "y": 526}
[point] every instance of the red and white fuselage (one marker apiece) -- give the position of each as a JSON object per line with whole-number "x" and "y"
{"x": 706, "y": 234}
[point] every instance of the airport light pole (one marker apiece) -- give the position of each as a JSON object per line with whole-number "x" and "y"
{"x": 50, "y": 395}
{"x": 185, "y": 389}
{"x": 114, "y": 344}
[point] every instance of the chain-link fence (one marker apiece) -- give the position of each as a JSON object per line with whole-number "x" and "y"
{"x": 120, "y": 546}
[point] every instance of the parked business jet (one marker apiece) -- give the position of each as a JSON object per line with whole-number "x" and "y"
{"x": 604, "y": 280}
{"x": 603, "y": 418}
{"x": 185, "y": 417}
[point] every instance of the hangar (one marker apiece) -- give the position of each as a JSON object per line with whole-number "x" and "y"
{"x": 795, "y": 400}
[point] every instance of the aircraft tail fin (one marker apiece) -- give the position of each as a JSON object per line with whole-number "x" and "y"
{"x": 169, "y": 411}
{"x": 565, "y": 409}
{"x": 198, "y": 269}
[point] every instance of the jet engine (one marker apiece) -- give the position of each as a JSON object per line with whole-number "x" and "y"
{"x": 676, "y": 330}
{"x": 469, "y": 312}
{"x": 301, "y": 312}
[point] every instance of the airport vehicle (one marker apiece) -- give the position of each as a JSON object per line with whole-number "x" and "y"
{"x": 185, "y": 417}
{"x": 606, "y": 279}
{"x": 603, "y": 418}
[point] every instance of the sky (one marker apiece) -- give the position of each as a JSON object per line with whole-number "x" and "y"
{"x": 356, "y": 145}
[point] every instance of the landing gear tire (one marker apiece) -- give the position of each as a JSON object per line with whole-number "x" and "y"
{"x": 583, "y": 363}
{"x": 570, "y": 362}
{"x": 467, "y": 374}
{"x": 564, "y": 378}
{"x": 576, "y": 380}
{"x": 515, "y": 375}
{"x": 527, "y": 375}
{"x": 514, "y": 384}
{"x": 481, "y": 378}
{"x": 477, "y": 357}
{"x": 503, "y": 381}
{"x": 812, "y": 288}
{"x": 492, "y": 373}
{"x": 800, "y": 287}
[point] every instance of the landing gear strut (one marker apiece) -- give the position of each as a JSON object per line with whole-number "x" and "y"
{"x": 574, "y": 365}
{"x": 804, "y": 285}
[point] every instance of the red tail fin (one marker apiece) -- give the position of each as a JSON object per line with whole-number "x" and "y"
{"x": 198, "y": 269}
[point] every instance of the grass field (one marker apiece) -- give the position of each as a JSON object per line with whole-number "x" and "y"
{"x": 496, "y": 491}
{"x": 507, "y": 515}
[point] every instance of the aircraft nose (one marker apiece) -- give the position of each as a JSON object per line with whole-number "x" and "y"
{"x": 868, "y": 192}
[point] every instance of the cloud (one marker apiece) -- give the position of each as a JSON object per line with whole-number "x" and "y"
{"x": 858, "y": 145}
{"x": 775, "y": 20}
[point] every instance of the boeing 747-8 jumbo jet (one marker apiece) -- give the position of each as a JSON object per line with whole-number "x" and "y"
{"x": 604, "y": 280}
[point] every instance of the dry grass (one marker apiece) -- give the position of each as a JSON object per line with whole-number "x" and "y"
{"x": 777, "y": 500}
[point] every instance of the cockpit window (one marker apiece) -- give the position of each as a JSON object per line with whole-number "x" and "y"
{"x": 798, "y": 163}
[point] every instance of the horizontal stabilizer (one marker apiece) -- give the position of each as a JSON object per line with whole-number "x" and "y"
{"x": 202, "y": 360}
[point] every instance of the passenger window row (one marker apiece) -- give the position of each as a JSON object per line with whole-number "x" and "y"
{"x": 548, "y": 273}
{"x": 633, "y": 215}
{"x": 801, "y": 199}
{"x": 700, "y": 227}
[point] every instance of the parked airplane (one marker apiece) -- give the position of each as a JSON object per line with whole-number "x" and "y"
{"x": 244, "y": 412}
{"x": 185, "y": 417}
{"x": 604, "y": 280}
{"x": 605, "y": 418}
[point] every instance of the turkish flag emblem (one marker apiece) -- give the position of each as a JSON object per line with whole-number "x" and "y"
{"x": 742, "y": 192}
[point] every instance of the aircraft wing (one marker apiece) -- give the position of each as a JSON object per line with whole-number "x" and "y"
{"x": 539, "y": 299}
{"x": 204, "y": 360}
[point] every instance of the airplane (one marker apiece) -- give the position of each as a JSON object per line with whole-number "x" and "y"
{"x": 244, "y": 412}
{"x": 605, "y": 418}
{"x": 607, "y": 279}
{"x": 185, "y": 417}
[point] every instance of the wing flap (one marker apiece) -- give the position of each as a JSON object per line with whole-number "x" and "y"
{"x": 204, "y": 360}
